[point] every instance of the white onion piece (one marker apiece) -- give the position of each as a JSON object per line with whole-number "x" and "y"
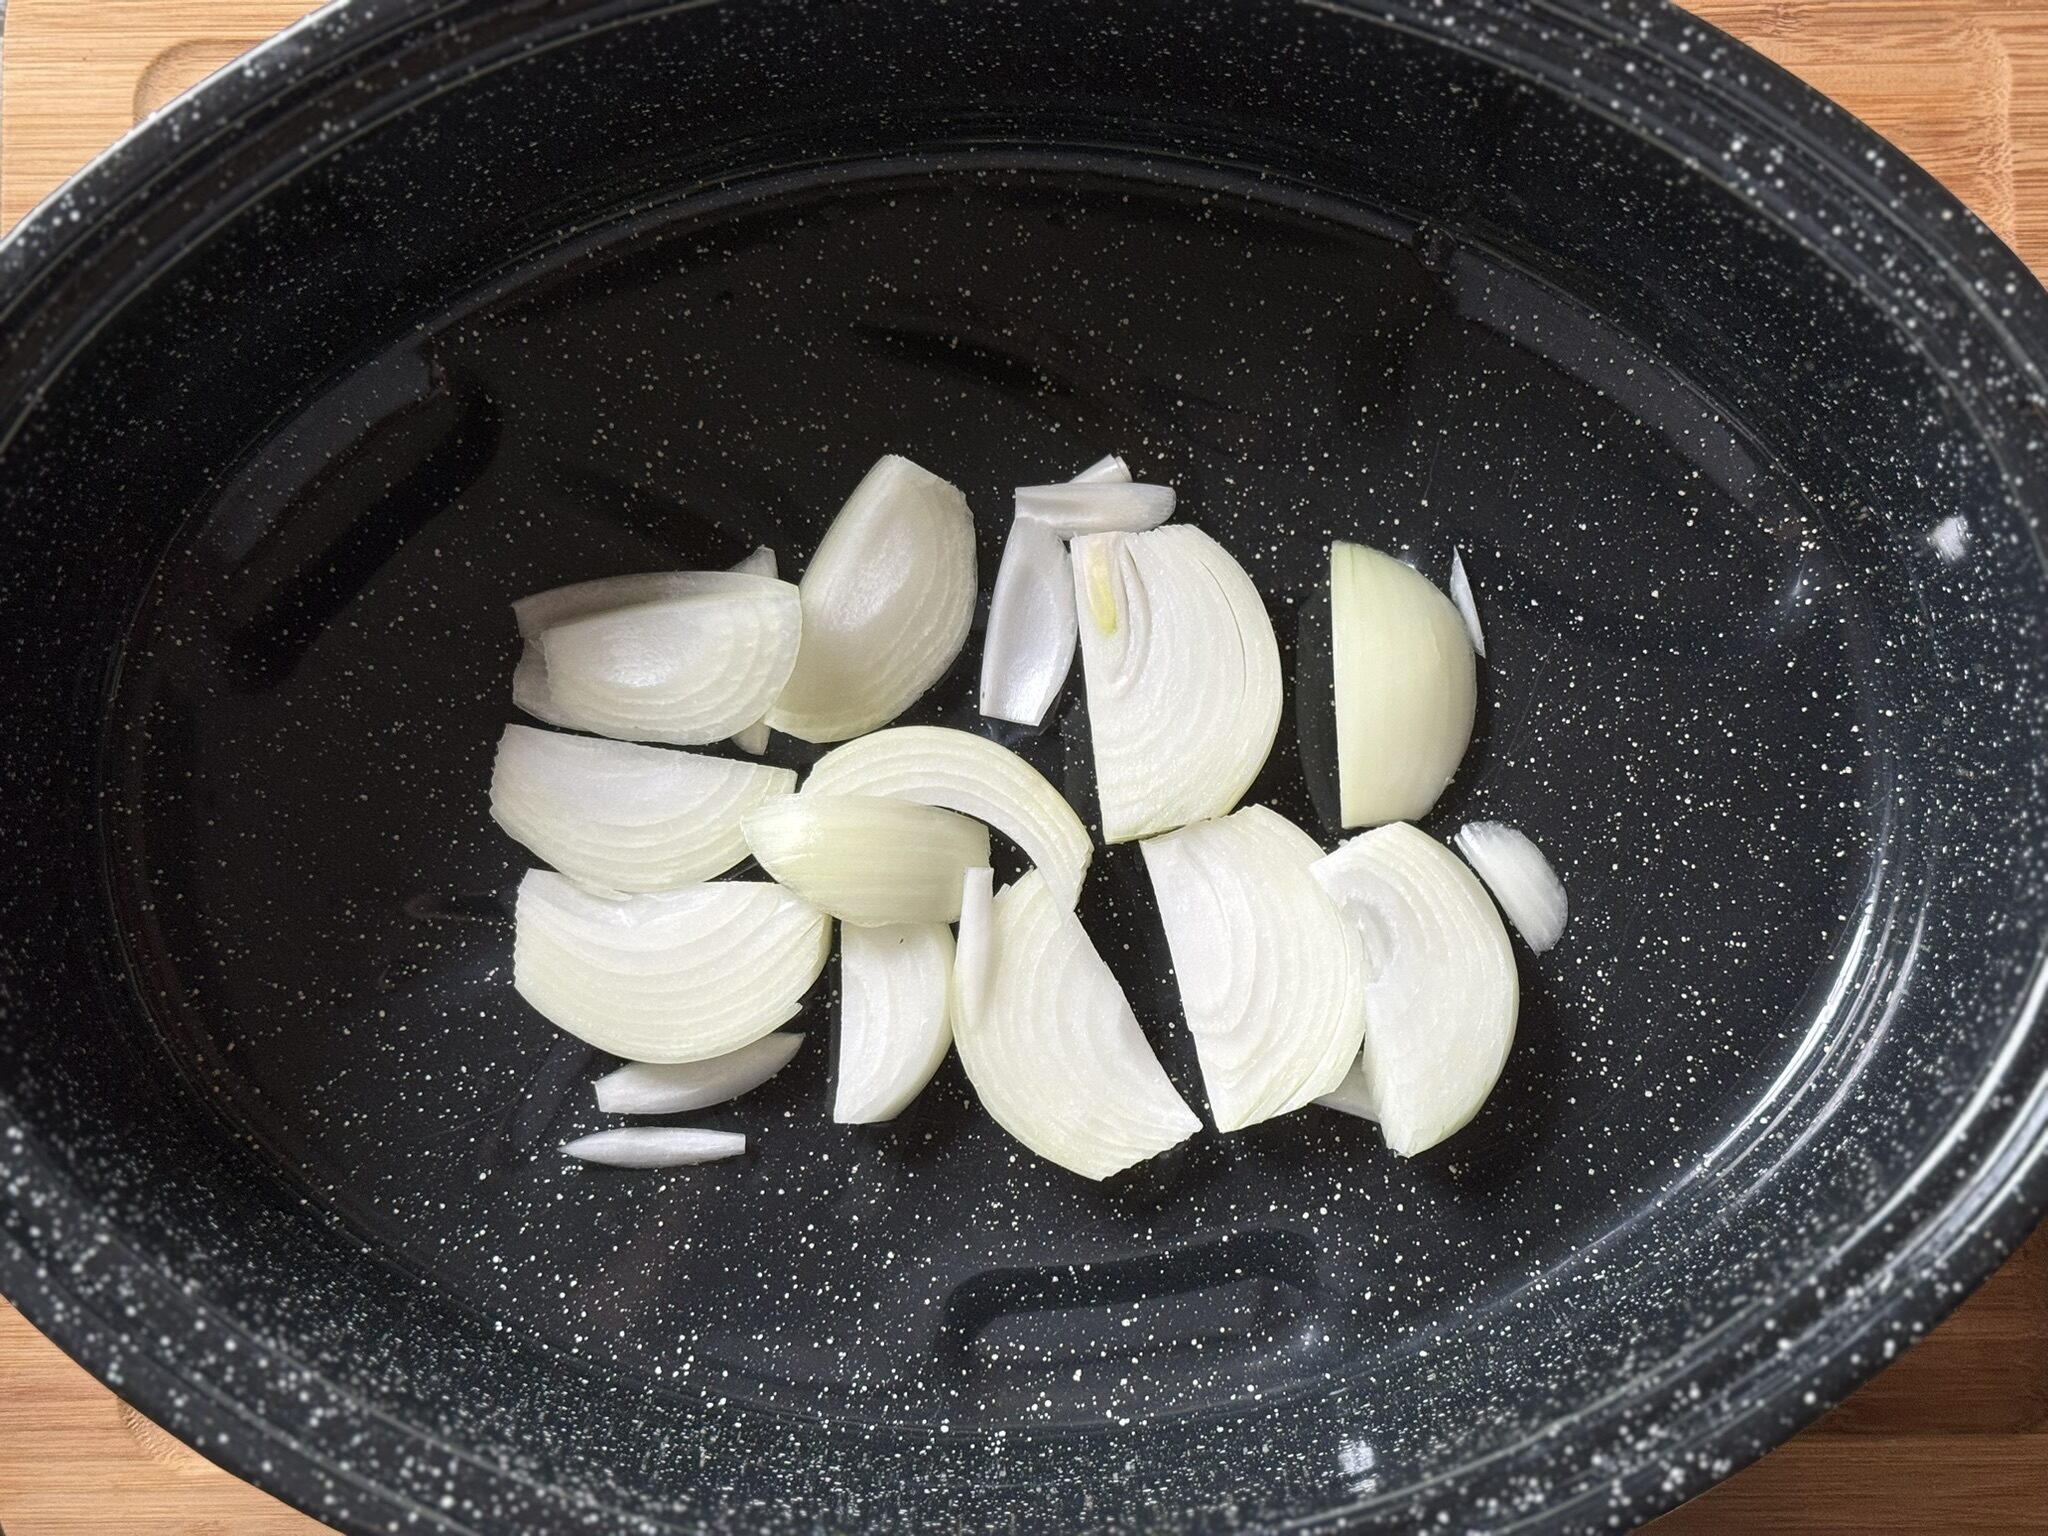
{"x": 895, "y": 1019}
{"x": 1405, "y": 691}
{"x": 1441, "y": 991}
{"x": 1183, "y": 677}
{"x": 1095, "y": 506}
{"x": 542, "y": 611}
{"x": 645, "y": 1088}
{"x": 974, "y": 945}
{"x": 1271, "y": 974}
{"x": 1109, "y": 467}
{"x": 684, "y": 670}
{"x": 867, "y": 859}
{"x": 1055, "y": 1053}
{"x": 1461, "y": 596}
{"x": 936, "y": 765}
{"x": 656, "y": 1146}
{"x": 887, "y": 602}
{"x": 626, "y": 817}
{"x": 754, "y": 738}
{"x": 679, "y": 975}
{"x": 1520, "y": 878}
{"x": 1028, "y": 648}
{"x": 1353, "y": 1096}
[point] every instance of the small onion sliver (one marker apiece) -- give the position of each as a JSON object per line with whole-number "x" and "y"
{"x": 1095, "y": 506}
{"x": 1468, "y": 610}
{"x": 1107, "y": 468}
{"x": 670, "y": 1088}
{"x": 867, "y": 859}
{"x": 1520, "y": 877}
{"x": 1055, "y": 1053}
{"x": 895, "y": 1017}
{"x": 960, "y": 771}
{"x": 974, "y": 946}
{"x": 656, "y": 1146}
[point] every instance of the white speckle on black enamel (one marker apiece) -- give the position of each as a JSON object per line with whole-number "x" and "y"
{"x": 1739, "y": 423}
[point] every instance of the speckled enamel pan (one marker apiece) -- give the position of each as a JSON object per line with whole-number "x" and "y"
{"x": 1736, "y": 417}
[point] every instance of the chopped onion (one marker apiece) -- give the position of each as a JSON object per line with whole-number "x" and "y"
{"x": 1520, "y": 878}
{"x": 1272, "y": 975}
{"x": 1353, "y": 1096}
{"x": 1405, "y": 691}
{"x": 1468, "y": 610}
{"x": 644, "y": 1088}
{"x": 542, "y": 611}
{"x": 1441, "y": 992}
{"x": 1095, "y": 506}
{"x": 1055, "y": 1053}
{"x": 754, "y": 738}
{"x": 887, "y": 602}
{"x": 974, "y": 947}
{"x": 679, "y": 975}
{"x": 1028, "y": 648}
{"x": 936, "y": 765}
{"x": 1183, "y": 677}
{"x": 656, "y": 1146}
{"x": 895, "y": 1024}
{"x": 622, "y": 816}
{"x": 867, "y": 859}
{"x": 684, "y": 670}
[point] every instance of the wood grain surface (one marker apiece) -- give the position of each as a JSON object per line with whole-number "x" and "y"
{"x": 1953, "y": 1437}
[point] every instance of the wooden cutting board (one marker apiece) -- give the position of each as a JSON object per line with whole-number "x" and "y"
{"x": 1954, "y": 1437}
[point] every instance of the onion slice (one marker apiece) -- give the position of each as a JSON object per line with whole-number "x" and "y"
{"x": 1405, "y": 690}
{"x": 1461, "y": 597}
{"x": 1028, "y": 648}
{"x": 1183, "y": 677}
{"x": 1095, "y": 506}
{"x": 1441, "y": 991}
{"x": 1520, "y": 878}
{"x": 684, "y": 670}
{"x": 936, "y": 765}
{"x": 542, "y": 611}
{"x": 754, "y": 738}
{"x": 887, "y": 602}
{"x": 622, "y": 816}
{"x": 895, "y": 1022}
{"x": 679, "y": 975}
{"x": 974, "y": 946}
{"x": 1055, "y": 1053}
{"x": 656, "y": 1146}
{"x": 644, "y": 1088}
{"x": 1271, "y": 974}
{"x": 867, "y": 859}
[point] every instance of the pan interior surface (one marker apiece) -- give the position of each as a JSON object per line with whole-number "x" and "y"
{"x": 1758, "y": 562}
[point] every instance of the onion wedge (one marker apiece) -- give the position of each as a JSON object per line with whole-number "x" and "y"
{"x": 1028, "y": 648}
{"x": 895, "y": 1024}
{"x": 754, "y": 738}
{"x": 936, "y": 765}
{"x": 866, "y": 859}
{"x": 684, "y": 670}
{"x": 887, "y": 602}
{"x": 642, "y": 1088}
{"x": 1055, "y": 1053}
{"x": 1405, "y": 689}
{"x": 656, "y": 1146}
{"x": 1520, "y": 878}
{"x": 677, "y": 975}
{"x": 622, "y": 816}
{"x": 974, "y": 945}
{"x": 1183, "y": 677}
{"x": 1272, "y": 975}
{"x": 1095, "y": 506}
{"x": 1441, "y": 991}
